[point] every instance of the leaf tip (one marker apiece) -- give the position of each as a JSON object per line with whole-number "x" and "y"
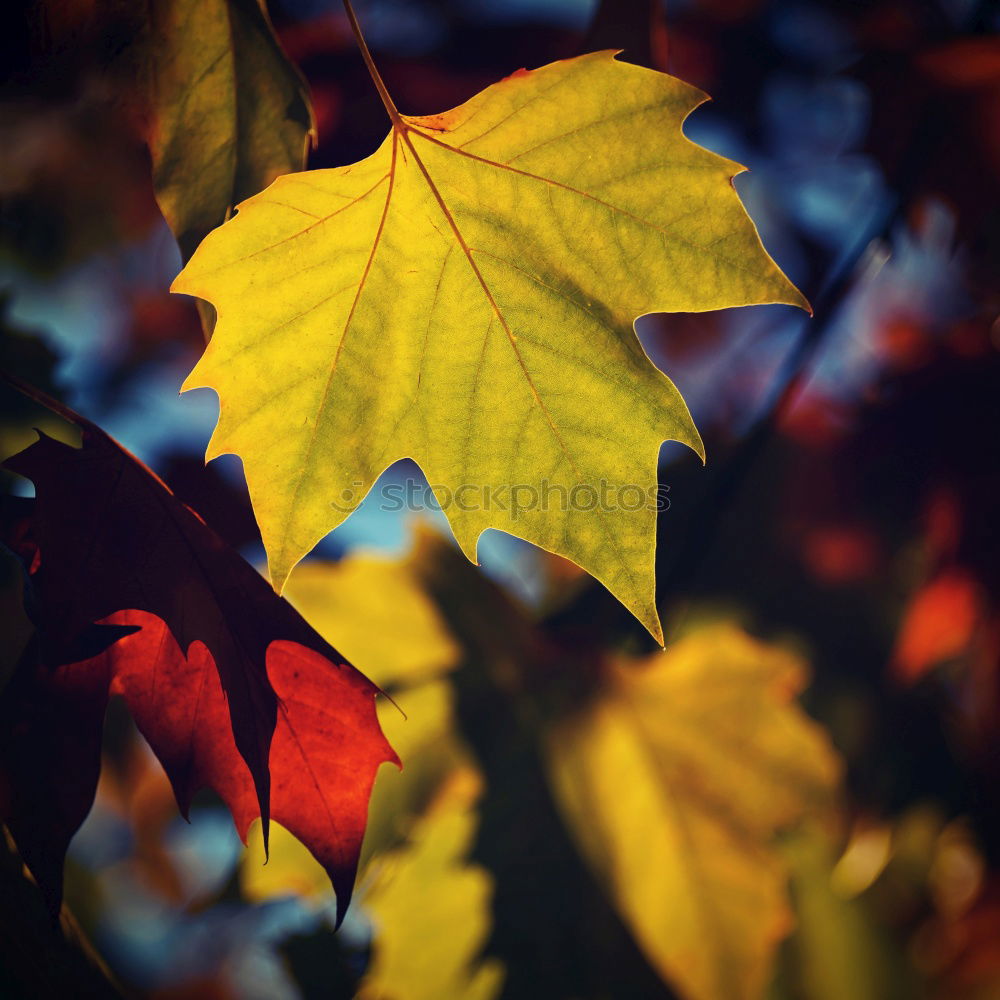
{"x": 279, "y": 569}
{"x": 791, "y": 296}
{"x": 648, "y": 616}
{"x": 698, "y": 447}
{"x": 341, "y": 912}
{"x": 214, "y": 448}
{"x": 655, "y": 629}
{"x": 194, "y": 380}
{"x": 468, "y": 542}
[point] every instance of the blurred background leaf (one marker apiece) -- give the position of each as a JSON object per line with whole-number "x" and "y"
{"x": 229, "y": 112}
{"x": 427, "y": 944}
{"x": 675, "y": 783}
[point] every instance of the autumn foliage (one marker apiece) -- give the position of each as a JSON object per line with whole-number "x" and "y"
{"x": 713, "y": 719}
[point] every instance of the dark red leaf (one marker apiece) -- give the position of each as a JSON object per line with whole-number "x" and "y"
{"x": 222, "y": 669}
{"x": 112, "y": 537}
{"x": 326, "y": 747}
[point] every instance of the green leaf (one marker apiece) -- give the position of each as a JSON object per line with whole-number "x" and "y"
{"x": 675, "y": 783}
{"x": 230, "y": 112}
{"x": 465, "y": 296}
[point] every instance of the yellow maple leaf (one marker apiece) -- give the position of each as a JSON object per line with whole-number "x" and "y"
{"x": 465, "y": 297}
{"x": 675, "y": 783}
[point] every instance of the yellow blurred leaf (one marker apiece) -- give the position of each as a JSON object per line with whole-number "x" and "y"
{"x": 430, "y": 749}
{"x": 376, "y": 613}
{"x": 675, "y": 783}
{"x": 431, "y": 909}
{"x": 465, "y": 296}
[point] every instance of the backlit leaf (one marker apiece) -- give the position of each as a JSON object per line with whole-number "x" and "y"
{"x": 227, "y": 682}
{"x": 324, "y": 754}
{"x": 426, "y": 744}
{"x": 465, "y": 296}
{"x": 938, "y": 623}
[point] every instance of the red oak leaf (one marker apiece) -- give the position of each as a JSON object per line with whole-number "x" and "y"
{"x": 229, "y": 684}
{"x": 323, "y": 755}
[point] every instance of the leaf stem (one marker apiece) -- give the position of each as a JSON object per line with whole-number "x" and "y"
{"x": 390, "y": 107}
